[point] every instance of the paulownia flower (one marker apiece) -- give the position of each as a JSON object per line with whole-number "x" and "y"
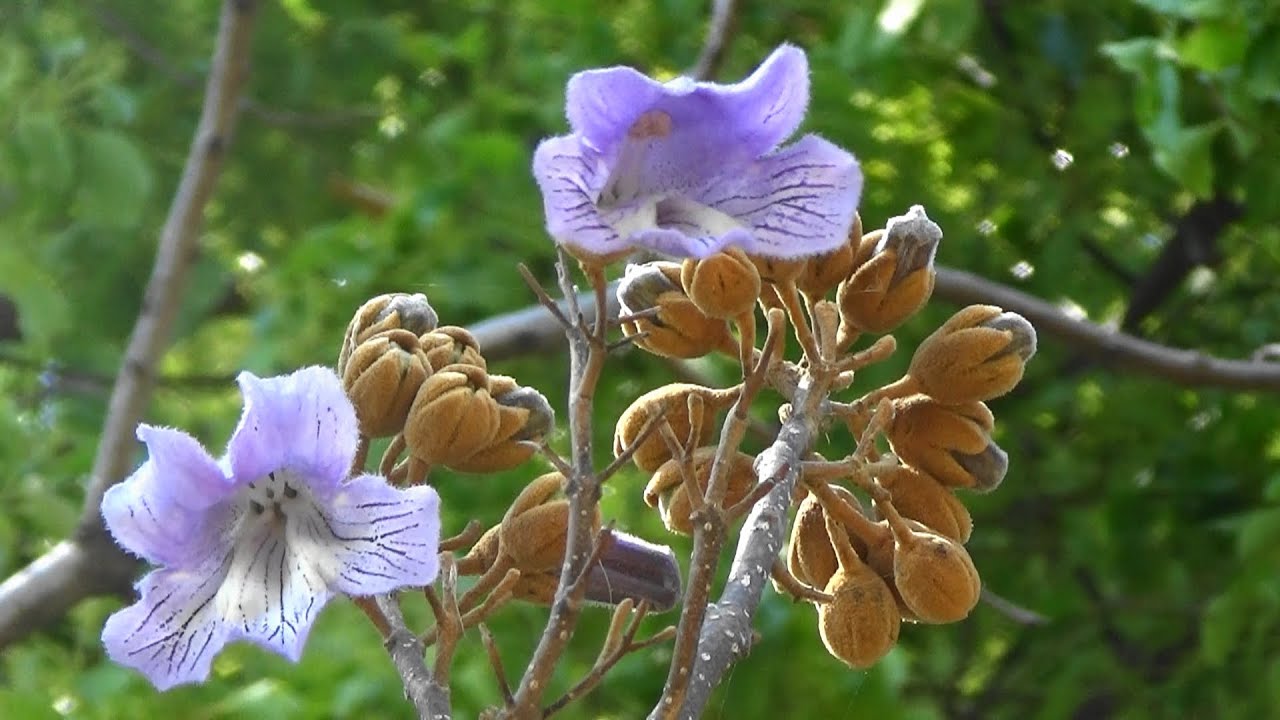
{"x": 252, "y": 547}
{"x": 688, "y": 168}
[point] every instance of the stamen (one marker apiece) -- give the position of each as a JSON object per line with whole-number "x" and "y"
{"x": 270, "y": 494}
{"x": 289, "y": 491}
{"x": 257, "y": 507}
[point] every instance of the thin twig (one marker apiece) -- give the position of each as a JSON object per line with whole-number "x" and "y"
{"x": 90, "y": 562}
{"x": 1012, "y": 610}
{"x": 495, "y": 662}
{"x": 719, "y": 34}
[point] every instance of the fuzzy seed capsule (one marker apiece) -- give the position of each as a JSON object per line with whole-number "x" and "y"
{"x": 524, "y": 415}
{"x": 382, "y": 377}
{"x": 452, "y": 345}
{"x": 823, "y": 273}
{"x": 896, "y": 280}
{"x": 923, "y": 499}
{"x": 683, "y": 416}
{"x": 949, "y": 443}
{"x": 861, "y": 623}
{"x": 452, "y": 417}
{"x": 394, "y": 311}
{"x": 979, "y": 354}
{"x": 724, "y": 285}
{"x": 666, "y": 489}
{"x": 935, "y": 576}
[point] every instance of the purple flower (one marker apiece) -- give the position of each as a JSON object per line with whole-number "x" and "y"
{"x": 688, "y": 168}
{"x": 252, "y": 547}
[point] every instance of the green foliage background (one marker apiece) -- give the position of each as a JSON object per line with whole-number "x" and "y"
{"x": 1139, "y": 517}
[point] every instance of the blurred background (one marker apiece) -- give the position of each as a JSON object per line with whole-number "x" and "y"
{"x": 1116, "y": 159}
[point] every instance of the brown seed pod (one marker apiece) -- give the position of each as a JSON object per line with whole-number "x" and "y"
{"x": 923, "y": 499}
{"x": 952, "y": 444}
{"x": 382, "y": 377}
{"x": 979, "y": 354}
{"x": 523, "y": 415}
{"x": 934, "y": 575}
{"x": 666, "y": 489}
{"x": 897, "y": 280}
{"x": 674, "y": 400}
{"x": 394, "y": 311}
{"x": 861, "y": 623}
{"x": 873, "y": 542}
{"x": 452, "y": 345}
{"x": 724, "y": 285}
{"x": 822, "y": 273}
{"x": 452, "y": 416}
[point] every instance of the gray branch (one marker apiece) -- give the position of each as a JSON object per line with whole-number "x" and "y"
{"x": 429, "y": 698}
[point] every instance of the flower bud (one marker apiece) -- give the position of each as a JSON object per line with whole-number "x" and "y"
{"x": 777, "y": 271}
{"x": 452, "y": 345}
{"x": 452, "y": 417}
{"x": 628, "y": 568}
{"x": 724, "y": 285}
{"x": 925, "y": 500}
{"x": 898, "y": 278}
{"x": 382, "y": 376}
{"x": 951, "y": 444}
{"x": 678, "y": 329}
{"x": 394, "y": 311}
{"x": 631, "y": 567}
{"x": 978, "y": 354}
{"x": 666, "y": 489}
{"x": 673, "y": 399}
{"x": 523, "y": 415}
{"x": 934, "y": 576}
{"x": 861, "y": 622}
{"x": 824, "y": 272}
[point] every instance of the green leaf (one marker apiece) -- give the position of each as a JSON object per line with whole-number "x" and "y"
{"x": 1224, "y": 619}
{"x": 1136, "y": 56}
{"x": 1259, "y": 533}
{"x": 1185, "y": 154}
{"x": 44, "y": 145}
{"x": 1262, "y": 65}
{"x": 1214, "y": 46}
{"x": 115, "y": 180}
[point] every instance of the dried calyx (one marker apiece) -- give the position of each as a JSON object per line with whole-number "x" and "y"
{"x": 978, "y": 354}
{"x": 675, "y": 326}
{"x": 393, "y": 311}
{"x": 382, "y": 376}
{"x": 951, "y": 444}
{"x": 689, "y": 409}
{"x": 897, "y": 277}
{"x": 668, "y": 491}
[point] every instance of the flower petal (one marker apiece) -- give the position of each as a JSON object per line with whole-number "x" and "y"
{"x": 272, "y": 593}
{"x": 302, "y": 422}
{"x": 797, "y": 202}
{"x": 174, "y": 630}
{"x": 173, "y": 507}
{"x": 570, "y": 174}
{"x": 372, "y": 538}
{"x": 750, "y": 117}
{"x": 602, "y": 104}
